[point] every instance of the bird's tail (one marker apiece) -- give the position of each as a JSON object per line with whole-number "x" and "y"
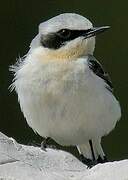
{"x": 92, "y": 151}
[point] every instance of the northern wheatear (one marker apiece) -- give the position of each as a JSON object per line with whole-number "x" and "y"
{"x": 62, "y": 89}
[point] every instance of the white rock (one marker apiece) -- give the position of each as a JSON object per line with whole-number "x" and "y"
{"x": 20, "y": 162}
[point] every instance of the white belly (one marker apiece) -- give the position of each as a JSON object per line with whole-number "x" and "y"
{"x": 66, "y": 102}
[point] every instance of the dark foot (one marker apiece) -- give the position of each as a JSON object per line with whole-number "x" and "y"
{"x": 100, "y": 160}
{"x": 44, "y": 143}
{"x": 87, "y": 161}
{"x": 90, "y": 163}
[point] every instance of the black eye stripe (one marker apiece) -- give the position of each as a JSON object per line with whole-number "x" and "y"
{"x": 72, "y": 34}
{"x": 58, "y": 39}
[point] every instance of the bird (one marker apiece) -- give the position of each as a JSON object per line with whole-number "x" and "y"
{"x": 63, "y": 91}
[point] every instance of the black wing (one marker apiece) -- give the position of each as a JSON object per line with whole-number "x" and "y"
{"x": 96, "y": 67}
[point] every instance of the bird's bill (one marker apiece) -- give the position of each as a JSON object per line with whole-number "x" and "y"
{"x": 96, "y": 30}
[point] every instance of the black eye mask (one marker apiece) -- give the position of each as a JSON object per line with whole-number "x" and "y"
{"x": 58, "y": 39}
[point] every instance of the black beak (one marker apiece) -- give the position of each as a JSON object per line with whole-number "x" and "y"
{"x": 94, "y": 31}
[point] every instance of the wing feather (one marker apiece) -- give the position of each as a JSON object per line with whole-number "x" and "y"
{"x": 97, "y": 68}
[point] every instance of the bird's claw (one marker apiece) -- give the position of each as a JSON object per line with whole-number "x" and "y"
{"x": 45, "y": 145}
{"x": 90, "y": 163}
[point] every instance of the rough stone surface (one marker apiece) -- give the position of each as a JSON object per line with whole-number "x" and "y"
{"x": 20, "y": 162}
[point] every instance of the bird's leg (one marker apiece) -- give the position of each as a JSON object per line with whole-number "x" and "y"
{"x": 91, "y": 153}
{"x": 92, "y": 150}
{"x": 44, "y": 143}
{"x": 100, "y": 159}
{"x": 89, "y": 162}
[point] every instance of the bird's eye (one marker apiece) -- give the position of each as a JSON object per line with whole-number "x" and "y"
{"x": 64, "y": 33}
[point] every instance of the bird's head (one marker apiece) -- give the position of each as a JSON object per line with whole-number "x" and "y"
{"x": 65, "y": 37}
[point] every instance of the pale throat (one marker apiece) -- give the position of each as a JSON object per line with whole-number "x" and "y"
{"x": 64, "y": 54}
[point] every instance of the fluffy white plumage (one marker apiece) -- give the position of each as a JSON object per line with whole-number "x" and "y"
{"x": 59, "y": 94}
